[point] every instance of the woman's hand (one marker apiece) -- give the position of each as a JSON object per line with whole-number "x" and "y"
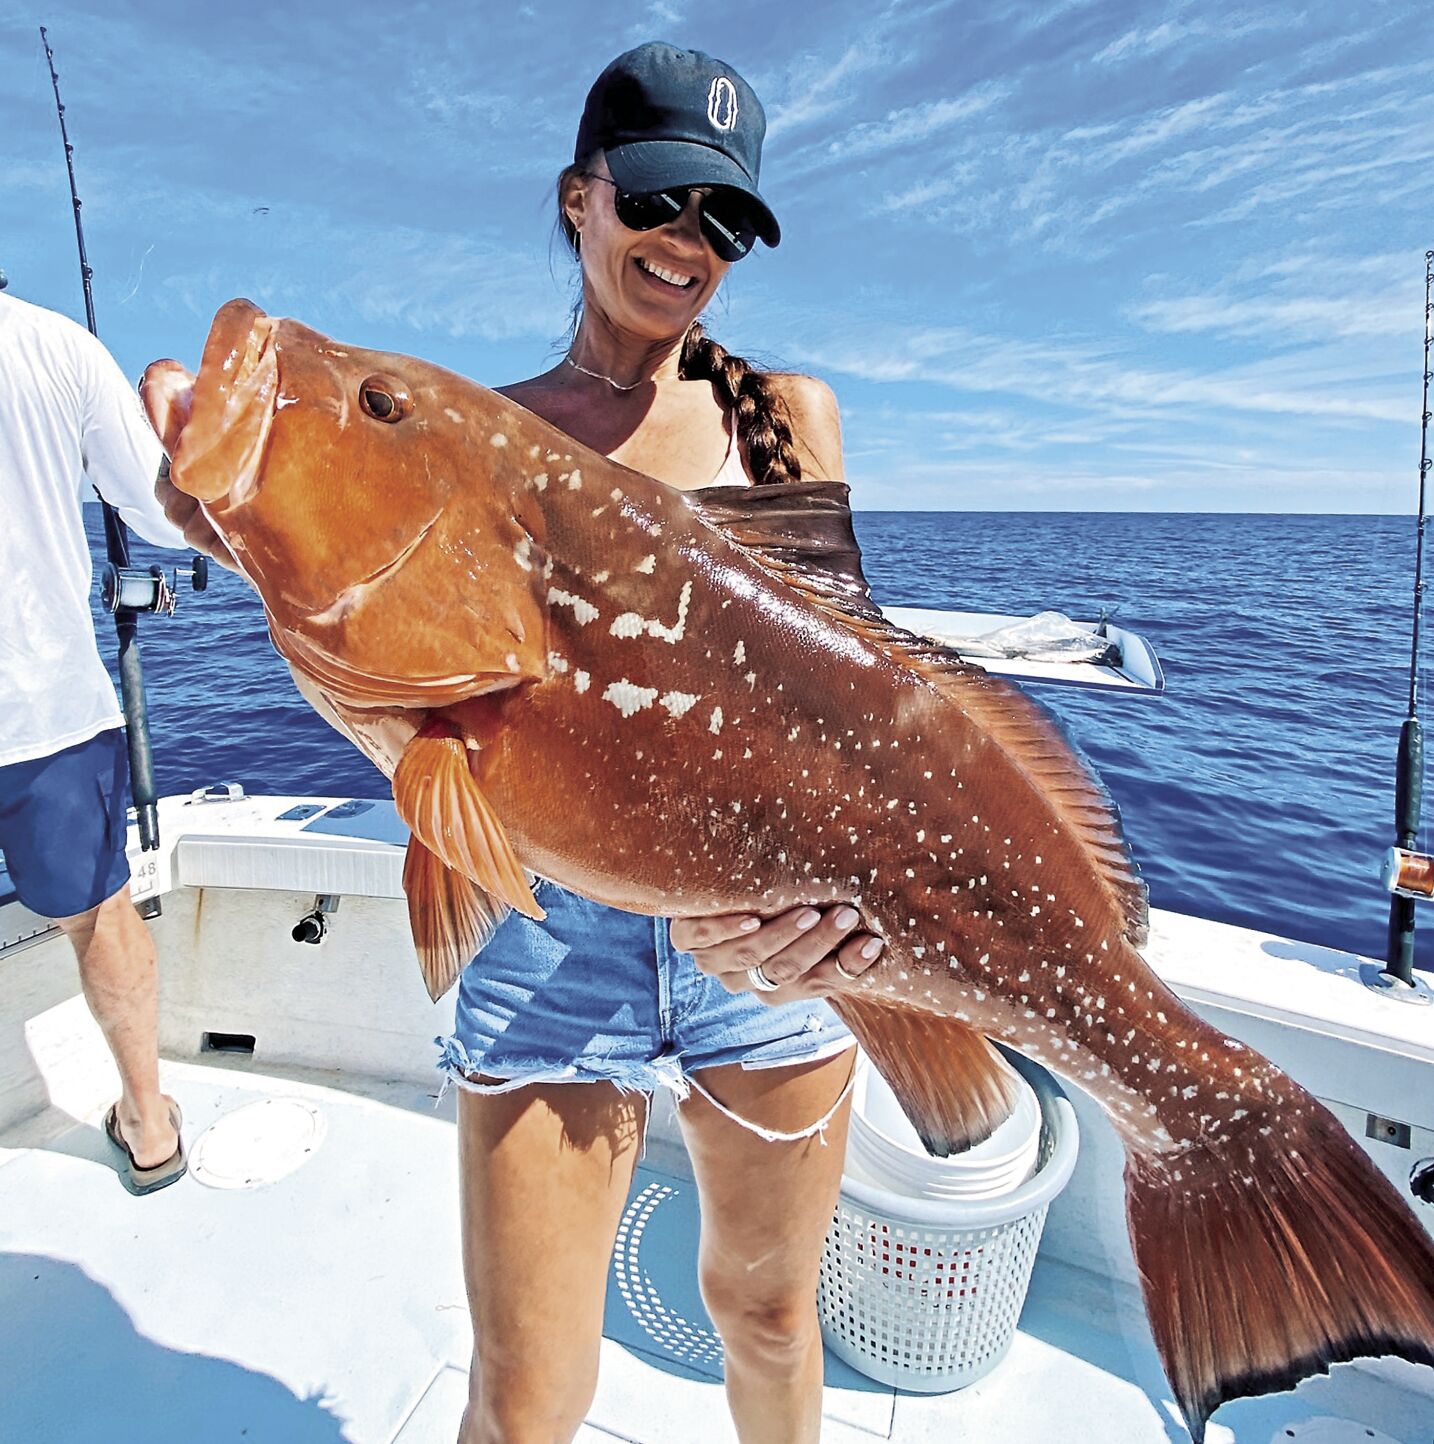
{"x": 798, "y": 950}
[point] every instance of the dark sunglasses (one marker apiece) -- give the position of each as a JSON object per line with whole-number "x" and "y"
{"x": 723, "y": 216}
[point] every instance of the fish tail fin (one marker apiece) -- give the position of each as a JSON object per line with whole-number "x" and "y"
{"x": 1265, "y": 1264}
{"x": 450, "y": 916}
{"x": 951, "y": 1083}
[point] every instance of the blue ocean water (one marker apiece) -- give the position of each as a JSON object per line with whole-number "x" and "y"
{"x": 1257, "y": 790}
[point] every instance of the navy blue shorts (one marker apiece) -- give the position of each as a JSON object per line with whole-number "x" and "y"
{"x": 63, "y": 825}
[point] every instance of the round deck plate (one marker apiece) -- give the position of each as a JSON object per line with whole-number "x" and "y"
{"x": 257, "y": 1144}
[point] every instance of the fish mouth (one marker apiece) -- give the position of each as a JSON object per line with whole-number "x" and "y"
{"x": 215, "y": 426}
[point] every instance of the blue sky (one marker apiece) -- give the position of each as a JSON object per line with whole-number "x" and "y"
{"x": 1051, "y": 255}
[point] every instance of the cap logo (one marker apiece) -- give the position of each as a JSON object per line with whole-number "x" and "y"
{"x": 722, "y": 104}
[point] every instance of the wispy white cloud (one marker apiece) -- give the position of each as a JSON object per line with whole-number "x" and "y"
{"x": 1090, "y": 377}
{"x": 817, "y": 87}
{"x": 1210, "y": 160}
{"x": 906, "y": 127}
{"x": 1182, "y": 28}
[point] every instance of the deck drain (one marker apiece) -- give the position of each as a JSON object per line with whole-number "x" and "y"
{"x": 257, "y": 1144}
{"x": 1329, "y": 1430}
{"x": 676, "y": 1336}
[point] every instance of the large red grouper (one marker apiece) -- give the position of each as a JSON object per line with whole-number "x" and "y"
{"x": 686, "y": 704}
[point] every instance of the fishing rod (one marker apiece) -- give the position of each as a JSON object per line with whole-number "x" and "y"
{"x": 125, "y": 590}
{"x": 1409, "y": 875}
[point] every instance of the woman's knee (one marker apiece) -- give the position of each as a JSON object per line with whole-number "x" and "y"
{"x": 770, "y": 1329}
{"x": 523, "y": 1399}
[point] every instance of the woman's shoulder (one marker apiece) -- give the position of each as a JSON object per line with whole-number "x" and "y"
{"x": 533, "y": 388}
{"x": 805, "y": 396}
{"x": 815, "y": 420}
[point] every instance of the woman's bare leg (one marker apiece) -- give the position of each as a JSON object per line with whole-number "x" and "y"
{"x": 544, "y": 1173}
{"x": 765, "y": 1211}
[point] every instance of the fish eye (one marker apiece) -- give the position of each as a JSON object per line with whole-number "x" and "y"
{"x": 385, "y": 399}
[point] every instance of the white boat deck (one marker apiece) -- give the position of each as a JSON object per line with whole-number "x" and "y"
{"x": 329, "y": 1306}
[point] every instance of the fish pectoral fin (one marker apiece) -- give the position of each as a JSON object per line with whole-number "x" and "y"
{"x": 442, "y": 804}
{"x": 951, "y": 1083}
{"x": 450, "y": 915}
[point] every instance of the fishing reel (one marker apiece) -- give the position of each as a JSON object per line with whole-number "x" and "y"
{"x": 1408, "y": 874}
{"x": 146, "y": 589}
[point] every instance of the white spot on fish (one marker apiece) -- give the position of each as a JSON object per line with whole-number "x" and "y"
{"x": 679, "y": 703}
{"x": 581, "y": 681}
{"x": 583, "y": 609}
{"x": 628, "y": 697}
{"x": 714, "y": 725}
{"x": 522, "y": 553}
{"x": 646, "y": 565}
{"x": 575, "y": 481}
{"x": 539, "y": 482}
{"x": 498, "y": 439}
{"x": 557, "y": 662}
{"x": 630, "y": 624}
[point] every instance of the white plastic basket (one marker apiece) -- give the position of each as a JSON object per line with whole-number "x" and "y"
{"x": 925, "y": 1293}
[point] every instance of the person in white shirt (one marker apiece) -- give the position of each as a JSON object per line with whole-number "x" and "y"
{"x": 68, "y": 417}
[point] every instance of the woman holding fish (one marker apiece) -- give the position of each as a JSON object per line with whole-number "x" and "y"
{"x": 678, "y": 698}
{"x": 660, "y": 201}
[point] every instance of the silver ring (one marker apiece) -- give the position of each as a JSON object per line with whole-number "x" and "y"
{"x": 760, "y": 981}
{"x": 850, "y": 977}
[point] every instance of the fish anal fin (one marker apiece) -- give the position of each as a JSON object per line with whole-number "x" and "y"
{"x": 1268, "y": 1260}
{"x": 951, "y": 1083}
{"x": 450, "y": 915}
{"x": 801, "y": 533}
{"x": 441, "y": 802}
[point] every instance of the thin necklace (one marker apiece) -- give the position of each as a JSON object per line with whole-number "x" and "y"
{"x": 598, "y": 376}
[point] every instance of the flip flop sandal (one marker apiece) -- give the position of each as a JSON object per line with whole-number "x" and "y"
{"x": 140, "y": 1181}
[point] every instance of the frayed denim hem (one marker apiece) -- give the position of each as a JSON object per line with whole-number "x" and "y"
{"x": 456, "y": 1064}
{"x": 833, "y": 1049}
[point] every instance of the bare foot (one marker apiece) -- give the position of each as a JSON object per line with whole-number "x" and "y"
{"x": 151, "y": 1137}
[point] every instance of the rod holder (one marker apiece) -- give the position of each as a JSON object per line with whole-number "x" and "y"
{"x": 314, "y": 926}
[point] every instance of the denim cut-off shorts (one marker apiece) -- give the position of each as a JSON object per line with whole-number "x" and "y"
{"x": 592, "y": 994}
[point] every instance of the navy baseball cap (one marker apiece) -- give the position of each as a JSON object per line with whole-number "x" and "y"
{"x": 665, "y": 117}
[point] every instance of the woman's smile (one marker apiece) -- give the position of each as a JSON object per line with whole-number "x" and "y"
{"x": 669, "y": 279}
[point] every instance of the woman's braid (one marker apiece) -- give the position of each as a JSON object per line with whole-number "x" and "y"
{"x": 763, "y": 427}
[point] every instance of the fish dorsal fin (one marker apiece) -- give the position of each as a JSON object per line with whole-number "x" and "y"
{"x": 802, "y": 534}
{"x": 451, "y": 917}
{"x": 803, "y": 524}
{"x": 951, "y": 1083}
{"x": 439, "y": 799}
